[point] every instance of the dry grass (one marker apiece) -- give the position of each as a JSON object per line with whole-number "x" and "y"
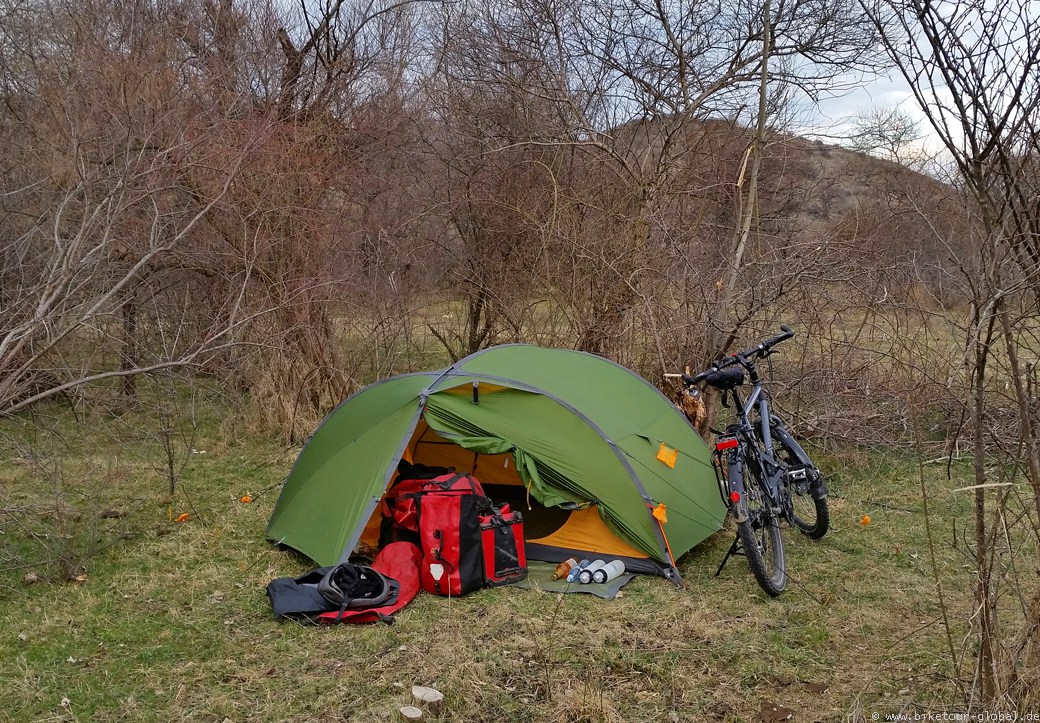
{"x": 174, "y": 624}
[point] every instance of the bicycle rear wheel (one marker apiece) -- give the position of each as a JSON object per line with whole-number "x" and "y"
{"x": 760, "y": 537}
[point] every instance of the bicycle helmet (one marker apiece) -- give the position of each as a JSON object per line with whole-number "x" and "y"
{"x": 349, "y": 585}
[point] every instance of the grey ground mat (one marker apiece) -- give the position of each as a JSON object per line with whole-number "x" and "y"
{"x": 539, "y": 577}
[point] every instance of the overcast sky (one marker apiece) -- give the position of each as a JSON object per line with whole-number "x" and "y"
{"x": 834, "y": 117}
{"x": 872, "y": 92}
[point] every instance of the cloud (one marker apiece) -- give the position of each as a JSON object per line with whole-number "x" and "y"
{"x": 834, "y": 116}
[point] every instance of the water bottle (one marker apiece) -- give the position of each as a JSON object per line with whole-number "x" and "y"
{"x": 609, "y": 571}
{"x": 572, "y": 576}
{"x": 564, "y": 568}
{"x": 585, "y": 576}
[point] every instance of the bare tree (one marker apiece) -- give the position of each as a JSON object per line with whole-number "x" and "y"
{"x": 165, "y": 205}
{"x": 627, "y": 94}
{"x": 887, "y": 132}
{"x": 972, "y": 68}
{"x": 99, "y": 213}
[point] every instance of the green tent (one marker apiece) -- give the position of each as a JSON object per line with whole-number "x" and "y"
{"x": 596, "y": 459}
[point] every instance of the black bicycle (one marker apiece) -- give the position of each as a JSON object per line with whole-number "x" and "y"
{"x": 764, "y": 474}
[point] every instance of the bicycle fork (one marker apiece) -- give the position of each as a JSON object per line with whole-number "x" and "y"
{"x": 805, "y": 477}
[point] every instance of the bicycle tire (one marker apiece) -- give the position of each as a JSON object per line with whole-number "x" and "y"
{"x": 760, "y": 537}
{"x": 817, "y": 518}
{"x": 810, "y": 515}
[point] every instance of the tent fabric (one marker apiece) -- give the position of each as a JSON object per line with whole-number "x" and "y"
{"x": 575, "y": 430}
{"x": 585, "y": 528}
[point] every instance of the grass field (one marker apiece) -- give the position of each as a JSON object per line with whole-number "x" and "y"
{"x": 170, "y": 621}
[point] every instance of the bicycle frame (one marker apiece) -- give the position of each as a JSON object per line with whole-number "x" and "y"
{"x": 764, "y": 456}
{"x": 755, "y": 441}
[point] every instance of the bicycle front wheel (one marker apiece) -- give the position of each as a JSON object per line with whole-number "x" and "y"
{"x": 760, "y": 537}
{"x": 764, "y": 549}
{"x": 810, "y": 515}
{"x": 808, "y": 510}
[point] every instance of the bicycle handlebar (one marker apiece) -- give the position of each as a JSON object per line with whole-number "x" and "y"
{"x": 743, "y": 357}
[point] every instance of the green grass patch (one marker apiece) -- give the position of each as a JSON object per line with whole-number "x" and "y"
{"x": 170, "y": 621}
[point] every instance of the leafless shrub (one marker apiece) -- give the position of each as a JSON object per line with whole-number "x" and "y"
{"x": 989, "y": 130}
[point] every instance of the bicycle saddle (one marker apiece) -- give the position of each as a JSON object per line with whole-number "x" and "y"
{"x": 728, "y": 378}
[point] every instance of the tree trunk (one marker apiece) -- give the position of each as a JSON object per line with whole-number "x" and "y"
{"x": 987, "y": 671}
{"x": 128, "y": 352}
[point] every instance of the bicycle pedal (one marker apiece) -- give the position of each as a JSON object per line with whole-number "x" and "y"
{"x": 797, "y": 475}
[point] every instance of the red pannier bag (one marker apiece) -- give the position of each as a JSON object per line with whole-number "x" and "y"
{"x": 502, "y": 540}
{"x": 450, "y": 537}
{"x": 399, "y": 507}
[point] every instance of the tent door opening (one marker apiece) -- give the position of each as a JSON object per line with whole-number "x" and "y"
{"x": 552, "y": 533}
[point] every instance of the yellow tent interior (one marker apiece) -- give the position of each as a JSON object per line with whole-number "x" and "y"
{"x": 551, "y": 533}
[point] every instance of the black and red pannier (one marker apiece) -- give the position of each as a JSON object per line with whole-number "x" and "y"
{"x": 502, "y": 541}
{"x": 442, "y": 514}
{"x": 449, "y": 534}
{"x": 466, "y": 542}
